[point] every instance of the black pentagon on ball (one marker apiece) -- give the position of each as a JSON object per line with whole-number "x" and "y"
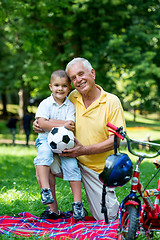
{"x": 54, "y": 131}
{"x": 53, "y": 145}
{"x": 65, "y": 139}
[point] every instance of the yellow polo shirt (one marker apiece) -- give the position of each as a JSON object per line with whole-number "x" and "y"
{"x": 91, "y": 124}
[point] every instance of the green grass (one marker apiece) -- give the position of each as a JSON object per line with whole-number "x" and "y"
{"x": 19, "y": 190}
{"x": 143, "y": 127}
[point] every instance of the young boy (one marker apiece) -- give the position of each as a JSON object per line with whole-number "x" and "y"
{"x": 56, "y": 111}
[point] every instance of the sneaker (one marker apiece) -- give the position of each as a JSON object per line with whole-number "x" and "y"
{"x": 78, "y": 211}
{"x": 46, "y": 196}
{"x": 47, "y": 214}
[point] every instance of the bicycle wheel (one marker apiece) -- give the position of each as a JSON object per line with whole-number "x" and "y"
{"x": 128, "y": 227}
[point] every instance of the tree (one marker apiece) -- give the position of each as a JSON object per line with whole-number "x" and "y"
{"x": 120, "y": 38}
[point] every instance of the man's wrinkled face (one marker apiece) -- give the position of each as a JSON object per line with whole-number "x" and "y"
{"x": 82, "y": 77}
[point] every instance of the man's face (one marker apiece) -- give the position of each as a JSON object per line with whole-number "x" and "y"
{"x": 82, "y": 78}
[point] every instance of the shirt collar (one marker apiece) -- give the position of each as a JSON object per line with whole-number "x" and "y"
{"x": 101, "y": 99}
{"x": 66, "y": 102}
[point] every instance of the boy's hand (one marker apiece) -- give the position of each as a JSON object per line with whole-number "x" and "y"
{"x": 36, "y": 127}
{"x": 70, "y": 125}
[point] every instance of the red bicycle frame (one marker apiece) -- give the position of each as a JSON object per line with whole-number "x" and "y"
{"x": 148, "y": 215}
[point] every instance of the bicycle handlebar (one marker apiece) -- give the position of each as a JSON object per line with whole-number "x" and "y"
{"x": 122, "y": 134}
{"x": 116, "y": 130}
{"x": 112, "y": 126}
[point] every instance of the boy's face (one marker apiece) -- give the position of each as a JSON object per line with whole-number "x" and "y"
{"x": 60, "y": 88}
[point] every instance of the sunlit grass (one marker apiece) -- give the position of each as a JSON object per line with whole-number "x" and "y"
{"x": 14, "y": 108}
{"x": 19, "y": 190}
{"x": 144, "y": 127}
{"x": 146, "y": 119}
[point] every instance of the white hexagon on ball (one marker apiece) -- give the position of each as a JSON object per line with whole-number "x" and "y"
{"x": 60, "y": 138}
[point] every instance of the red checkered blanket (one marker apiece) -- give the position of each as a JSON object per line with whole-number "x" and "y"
{"x": 27, "y": 224}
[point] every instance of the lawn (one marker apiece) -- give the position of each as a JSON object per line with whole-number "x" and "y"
{"x": 18, "y": 185}
{"x": 19, "y": 190}
{"x": 144, "y": 127}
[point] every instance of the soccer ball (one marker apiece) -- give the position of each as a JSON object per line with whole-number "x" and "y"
{"x": 60, "y": 138}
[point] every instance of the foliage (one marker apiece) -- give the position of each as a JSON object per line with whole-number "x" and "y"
{"x": 120, "y": 38}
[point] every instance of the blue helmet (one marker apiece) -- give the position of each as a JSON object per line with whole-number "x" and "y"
{"x": 117, "y": 170}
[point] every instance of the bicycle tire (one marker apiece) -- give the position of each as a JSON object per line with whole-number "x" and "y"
{"x": 128, "y": 227}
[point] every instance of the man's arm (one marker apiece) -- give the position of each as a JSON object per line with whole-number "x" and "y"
{"x": 97, "y": 148}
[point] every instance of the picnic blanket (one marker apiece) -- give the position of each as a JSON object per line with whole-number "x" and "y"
{"x": 27, "y": 224}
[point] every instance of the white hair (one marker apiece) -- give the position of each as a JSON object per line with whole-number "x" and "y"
{"x": 85, "y": 62}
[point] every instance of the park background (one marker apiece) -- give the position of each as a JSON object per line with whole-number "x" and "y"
{"x": 121, "y": 39}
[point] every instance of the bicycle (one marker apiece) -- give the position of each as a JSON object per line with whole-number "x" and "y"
{"x": 133, "y": 215}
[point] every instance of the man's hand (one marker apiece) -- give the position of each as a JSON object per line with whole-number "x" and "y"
{"x": 78, "y": 150}
{"x": 37, "y": 128}
{"x": 97, "y": 148}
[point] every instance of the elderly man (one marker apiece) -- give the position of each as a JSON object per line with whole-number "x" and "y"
{"x": 94, "y": 108}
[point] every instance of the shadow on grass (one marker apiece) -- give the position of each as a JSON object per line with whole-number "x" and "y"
{"x": 155, "y": 126}
{"x": 157, "y": 141}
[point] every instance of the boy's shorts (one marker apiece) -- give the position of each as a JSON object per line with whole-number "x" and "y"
{"x": 44, "y": 153}
{"x": 68, "y": 166}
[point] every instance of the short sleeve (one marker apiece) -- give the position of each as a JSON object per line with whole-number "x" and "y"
{"x": 43, "y": 110}
{"x": 116, "y": 116}
{"x": 70, "y": 112}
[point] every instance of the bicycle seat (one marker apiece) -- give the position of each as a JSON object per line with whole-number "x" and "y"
{"x": 156, "y": 162}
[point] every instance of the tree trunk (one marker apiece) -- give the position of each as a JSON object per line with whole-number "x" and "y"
{"x": 26, "y": 96}
{"x": 4, "y": 104}
{"x": 134, "y": 114}
{"x": 21, "y": 112}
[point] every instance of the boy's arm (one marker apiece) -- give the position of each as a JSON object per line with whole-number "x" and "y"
{"x": 48, "y": 124}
